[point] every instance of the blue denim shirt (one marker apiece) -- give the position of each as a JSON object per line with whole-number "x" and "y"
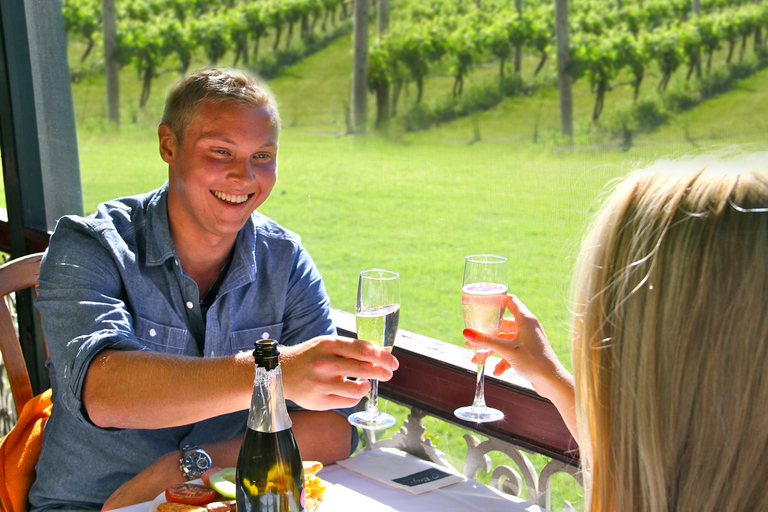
{"x": 113, "y": 280}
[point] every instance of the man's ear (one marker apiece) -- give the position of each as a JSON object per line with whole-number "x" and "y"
{"x": 169, "y": 144}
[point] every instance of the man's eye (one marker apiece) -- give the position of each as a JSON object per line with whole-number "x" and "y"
{"x": 221, "y": 151}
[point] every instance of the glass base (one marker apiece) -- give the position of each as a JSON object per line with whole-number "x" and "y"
{"x": 478, "y": 414}
{"x": 372, "y": 421}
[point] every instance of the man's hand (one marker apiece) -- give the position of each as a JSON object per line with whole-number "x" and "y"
{"x": 316, "y": 373}
{"x": 148, "y": 484}
{"x": 165, "y": 472}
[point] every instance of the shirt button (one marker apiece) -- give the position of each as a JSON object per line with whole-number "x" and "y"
{"x": 152, "y": 333}
{"x": 190, "y": 305}
{"x": 265, "y": 335}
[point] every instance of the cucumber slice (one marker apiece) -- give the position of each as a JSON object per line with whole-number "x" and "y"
{"x": 223, "y": 482}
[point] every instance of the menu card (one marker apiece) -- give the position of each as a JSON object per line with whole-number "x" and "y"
{"x": 402, "y": 470}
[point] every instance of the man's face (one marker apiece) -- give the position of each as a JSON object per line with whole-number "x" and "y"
{"x": 224, "y": 170}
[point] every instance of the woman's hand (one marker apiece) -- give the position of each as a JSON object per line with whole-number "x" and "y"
{"x": 523, "y": 345}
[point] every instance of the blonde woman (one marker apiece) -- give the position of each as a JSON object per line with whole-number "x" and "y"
{"x": 669, "y": 398}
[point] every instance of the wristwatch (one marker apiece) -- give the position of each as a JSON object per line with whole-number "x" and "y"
{"x": 194, "y": 462}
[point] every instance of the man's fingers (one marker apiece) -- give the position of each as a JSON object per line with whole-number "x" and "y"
{"x": 365, "y": 351}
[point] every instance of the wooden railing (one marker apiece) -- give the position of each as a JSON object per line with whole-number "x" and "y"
{"x": 435, "y": 378}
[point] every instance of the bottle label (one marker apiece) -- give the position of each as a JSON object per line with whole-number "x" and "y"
{"x": 268, "y": 412}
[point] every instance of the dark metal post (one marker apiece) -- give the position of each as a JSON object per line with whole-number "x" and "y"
{"x": 41, "y": 169}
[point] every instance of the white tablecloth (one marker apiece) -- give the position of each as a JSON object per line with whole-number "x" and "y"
{"x": 350, "y": 492}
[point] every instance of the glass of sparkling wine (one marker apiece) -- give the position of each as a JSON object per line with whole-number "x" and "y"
{"x": 377, "y": 313}
{"x": 483, "y": 297}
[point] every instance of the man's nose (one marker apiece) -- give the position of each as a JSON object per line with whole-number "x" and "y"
{"x": 242, "y": 171}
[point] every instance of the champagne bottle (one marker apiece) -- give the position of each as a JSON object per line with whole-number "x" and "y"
{"x": 270, "y": 474}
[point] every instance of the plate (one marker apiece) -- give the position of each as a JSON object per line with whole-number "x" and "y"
{"x": 161, "y": 497}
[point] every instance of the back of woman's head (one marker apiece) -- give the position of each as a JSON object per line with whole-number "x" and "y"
{"x": 670, "y": 341}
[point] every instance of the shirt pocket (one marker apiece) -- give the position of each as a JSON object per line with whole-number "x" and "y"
{"x": 163, "y": 338}
{"x": 243, "y": 340}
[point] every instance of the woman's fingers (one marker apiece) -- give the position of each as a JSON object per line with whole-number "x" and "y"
{"x": 489, "y": 341}
{"x": 501, "y": 367}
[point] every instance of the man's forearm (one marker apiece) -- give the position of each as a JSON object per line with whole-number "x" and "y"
{"x": 146, "y": 390}
{"x": 325, "y": 435}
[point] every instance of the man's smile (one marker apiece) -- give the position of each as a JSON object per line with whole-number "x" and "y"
{"x": 231, "y": 198}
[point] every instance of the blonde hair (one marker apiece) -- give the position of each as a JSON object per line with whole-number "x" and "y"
{"x": 214, "y": 85}
{"x": 670, "y": 342}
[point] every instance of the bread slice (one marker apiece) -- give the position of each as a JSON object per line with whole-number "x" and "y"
{"x": 179, "y": 507}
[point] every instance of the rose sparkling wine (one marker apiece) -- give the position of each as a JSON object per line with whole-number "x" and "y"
{"x": 483, "y": 305}
{"x": 483, "y": 299}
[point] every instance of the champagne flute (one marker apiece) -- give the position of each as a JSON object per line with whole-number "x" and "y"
{"x": 483, "y": 297}
{"x": 377, "y": 313}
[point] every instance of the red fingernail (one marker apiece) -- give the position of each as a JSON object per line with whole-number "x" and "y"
{"x": 470, "y": 334}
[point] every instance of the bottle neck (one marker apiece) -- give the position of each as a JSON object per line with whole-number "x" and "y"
{"x": 268, "y": 411}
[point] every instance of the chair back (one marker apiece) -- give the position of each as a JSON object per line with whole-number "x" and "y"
{"x": 16, "y": 275}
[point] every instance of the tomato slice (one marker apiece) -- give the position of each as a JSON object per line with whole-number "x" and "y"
{"x": 190, "y": 494}
{"x": 206, "y": 477}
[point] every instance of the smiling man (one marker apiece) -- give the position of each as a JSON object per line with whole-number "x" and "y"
{"x": 151, "y": 306}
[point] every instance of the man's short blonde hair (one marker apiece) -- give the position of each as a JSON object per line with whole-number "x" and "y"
{"x": 214, "y": 85}
{"x": 670, "y": 341}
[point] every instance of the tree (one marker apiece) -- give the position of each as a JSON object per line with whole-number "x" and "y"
{"x": 111, "y": 64}
{"x": 563, "y": 76}
{"x": 360, "y": 68}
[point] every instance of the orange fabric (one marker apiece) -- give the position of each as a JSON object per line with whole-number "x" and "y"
{"x": 19, "y": 451}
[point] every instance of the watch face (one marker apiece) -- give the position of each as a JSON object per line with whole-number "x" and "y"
{"x": 197, "y": 462}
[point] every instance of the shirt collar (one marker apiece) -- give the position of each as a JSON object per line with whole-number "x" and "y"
{"x": 160, "y": 246}
{"x": 158, "y": 243}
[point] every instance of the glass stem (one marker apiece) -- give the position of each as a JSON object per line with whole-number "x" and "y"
{"x": 372, "y": 407}
{"x": 480, "y": 387}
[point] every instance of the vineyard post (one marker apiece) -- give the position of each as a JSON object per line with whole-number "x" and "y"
{"x": 563, "y": 73}
{"x": 696, "y": 12}
{"x": 382, "y": 17}
{"x": 111, "y": 66}
{"x": 518, "y": 47}
{"x": 360, "y": 68}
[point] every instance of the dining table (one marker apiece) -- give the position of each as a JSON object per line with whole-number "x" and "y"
{"x": 350, "y": 491}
